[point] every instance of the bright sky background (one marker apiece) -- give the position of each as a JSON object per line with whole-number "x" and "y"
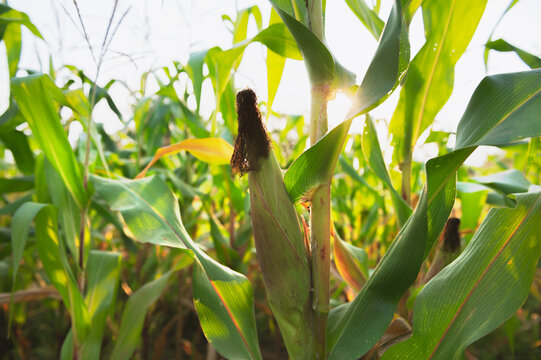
{"x": 154, "y": 33}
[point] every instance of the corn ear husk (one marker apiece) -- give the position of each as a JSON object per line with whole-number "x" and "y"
{"x": 282, "y": 256}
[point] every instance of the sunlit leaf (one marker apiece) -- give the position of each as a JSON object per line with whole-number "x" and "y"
{"x": 509, "y": 181}
{"x": 211, "y": 150}
{"x": 504, "y": 108}
{"x": 534, "y": 62}
{"x": 464, "y": 301}
{"x": 374, "y": 158}
{"x": 223, "y": 298}
{"x": 449, "y": 27}
{"x": 351, "y": 262}
{"x": 34, "y": 100}
{"x": 368, "y": 17}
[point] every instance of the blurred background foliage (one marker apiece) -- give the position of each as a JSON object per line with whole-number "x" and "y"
{"x": 214, "y": 204}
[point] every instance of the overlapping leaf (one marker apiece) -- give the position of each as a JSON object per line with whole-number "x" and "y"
{"x": 53, "y": 258}
{"x": 374, "y": 158}
{"x": 464, "y": 301}
{"x": 222, "y": 297}
{"x": 449, "y": 27}
{"x": 34, "y": 101}
{"x": 316, "y": 165}
{"x": 372, "y": 310}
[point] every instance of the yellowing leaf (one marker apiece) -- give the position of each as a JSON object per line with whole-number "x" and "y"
{"x": 215, "y": 151}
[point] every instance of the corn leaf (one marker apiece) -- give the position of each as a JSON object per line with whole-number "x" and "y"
{"x": 508, "y": 182}
{"x": 351, "y": 262}
{"x": 103, "y": 270}
{"x": 354, "y": 327}
{"x": 53, "y": 258}
{"x": 135, "y": 310}
{"x": 211, "y": 150}
{"x": 318, "y": 59}
{"x": 222, "y": 297}
{"x": 374, "y": 158}
{"x": 504, "y": 108}
{"x": 449, "y": 27}
{"x": 34, "y": 100}
{"x": 464, "y": 301}
{"x": 368, "y": 17}
{"x": 534, "y": 62}
{"x": 387, "y": 66}
{"x": 315, "y": 166}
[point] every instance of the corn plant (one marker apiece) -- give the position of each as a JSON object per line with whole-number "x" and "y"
{"x": 408, "y": 295}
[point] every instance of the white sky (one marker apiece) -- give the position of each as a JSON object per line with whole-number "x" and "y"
{"x": 154, "y": 33}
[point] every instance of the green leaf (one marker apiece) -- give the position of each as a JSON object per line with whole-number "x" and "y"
{"x": 315, "y": 166}
{"x": 151, "y": 213}
{"x": 133, "y": 317}
{"x": 18, "y": 184}
{"x": 241, "y": 24}
{"x": 275, "y": 67}
{"x": 508, "y": 182}
{"x": 10, "y": 16}
{"x": 504, "y": 108}
{"x": 68, "y": 213}
{"x": 195, "y": 70}
{"x": 318, "y": 59}
{"x": 13, "y": 41}
{"x": 534, "y": 62}
{"x": 387, "y": 67}
{"x": 472, "y": 203}
{"x": 53, "y": 257}
{"x": 464, "y": 301}
{"x": 368, "y": 17}
{"x": 449, "y": 27}
{"x": 351, "y": 262}
{"x": 277, "y": 38}
{"x": 374, "y": 159}
{"x": 34, "y": 100}
{"x": 102, "y": 274}
{"x": 354, "y": 327}
{"x": 17, "y": 142}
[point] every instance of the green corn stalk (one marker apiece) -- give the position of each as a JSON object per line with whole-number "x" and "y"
{"x": 279, "y": 241}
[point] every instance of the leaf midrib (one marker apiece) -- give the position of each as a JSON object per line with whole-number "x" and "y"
{"x": 192, "y": 248}
{"x": 482, "y": 277}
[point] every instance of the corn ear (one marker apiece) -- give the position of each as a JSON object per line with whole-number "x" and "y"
{"x": 277, "y": 232}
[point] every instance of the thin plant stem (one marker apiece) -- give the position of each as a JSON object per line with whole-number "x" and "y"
{"x": 320, "y": 210}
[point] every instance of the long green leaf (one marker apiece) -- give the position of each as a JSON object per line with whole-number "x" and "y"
{"x": 449, "y": 27}
{"x": 368, "y": 17}
{"x": 102, "y": 274}
{"x": 275, "y": 67}
{"x": 480, "y": 289}
{"x": 387, "y": 67}
{"x": 374, "y": 158}
{"x": 223, "y": 298}
{"x": 354, "y": 327}
{"x": 133, "y": 317}
{"x": 51, "y": 255}
{"x": 318, "y": 59}
{"x": 34, "y": 100}
{"x": 316, "y": 165}
{"x": 504, "y": 108}
{"x": 534, "y": 62}
{"x": 508, "y": 182}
